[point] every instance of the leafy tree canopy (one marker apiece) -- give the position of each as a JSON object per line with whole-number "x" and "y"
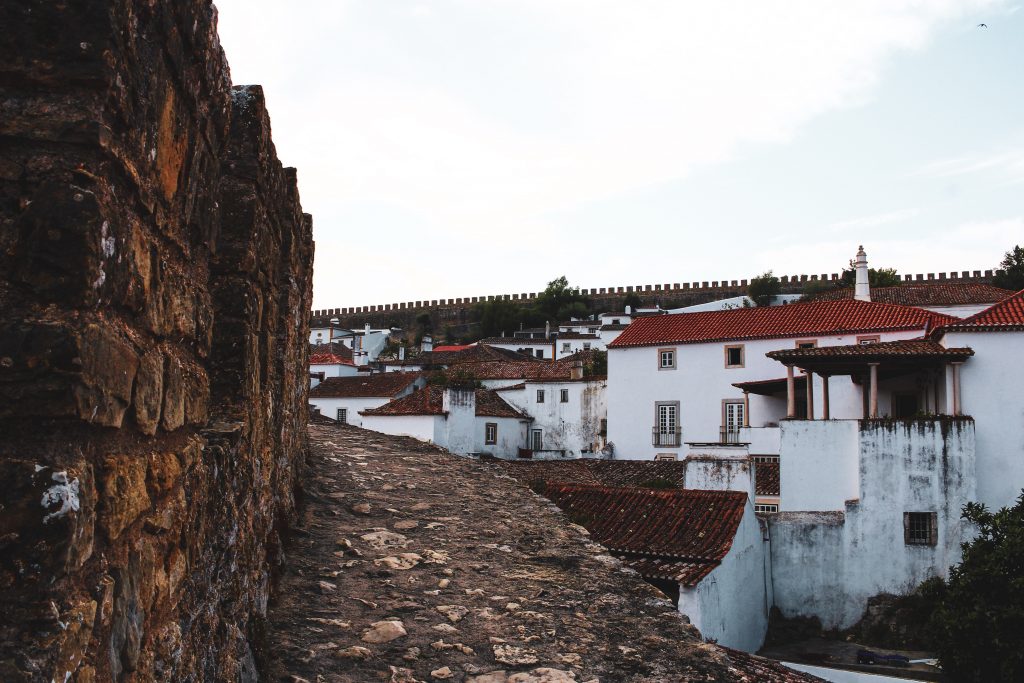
{"x": 559, "y": 301}
{"x": 880, "y": 277}
{"x": 978, "y": 625}
{"x": 1012, "y": 267}
{"x": 763, "y": 287}
{"x": 632, "y": 300}
{"x": 499, "y": 315}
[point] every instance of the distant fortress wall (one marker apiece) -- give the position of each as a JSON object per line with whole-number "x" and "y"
{"x": 677, "y": 294}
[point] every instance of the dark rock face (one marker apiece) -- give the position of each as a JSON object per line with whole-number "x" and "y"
{"x": 155, "y": 283}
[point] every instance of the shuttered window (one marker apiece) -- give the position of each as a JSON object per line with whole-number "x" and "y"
{"x": 920, "y": 528}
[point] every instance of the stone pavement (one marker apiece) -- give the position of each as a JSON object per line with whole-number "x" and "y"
{"x": 410, "y": 564}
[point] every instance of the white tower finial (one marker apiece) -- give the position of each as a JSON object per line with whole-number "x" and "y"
{"x": 862, "y": 288}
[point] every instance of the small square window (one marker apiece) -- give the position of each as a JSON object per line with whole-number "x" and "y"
{"x": 586, "y": 346}
{"x": 868, "y": 339}
{"x": 806, "y": 343}
{"x": 666, "y": 456}
{"x": 564, "y": 396}
{"x": 566, "y": 347}
{"x": 491, "y": 433}
{"x": 766, "y": 508}
{"x": 666, "y": 359}
{"x": 920, "y": 528}
{"x": 539, "y": 353}
{"x": 734, "y": 356}
{"x": 540, "y": 396}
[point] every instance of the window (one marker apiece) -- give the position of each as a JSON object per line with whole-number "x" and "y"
{"x": 615, "y": 321}
{"x": 920, "y": 528}
{"x": 566, "y": 347}
{"x": 666, "y": 456}
{"x": 343, "y": 415}
{"x": 666, "y": 359}
{"x": 604, "y": 427}
{"x": 564, "y": 397}
{"x": 732, "y": 416}
{"x": 734, "y": 356}
{"x": 540, "y": 396}
{"x": 868, "y": 339}
{"x": 586, "y": 346}
{"x": 806, "y": 343}
{"x": 666, "y": 426}
{"x": 537, "y": 439}
{"x": 904, "y": 405}
{"x": 491, "y": 433}
{"x": 539, "y": 353}
{"x": 766, "y": 507}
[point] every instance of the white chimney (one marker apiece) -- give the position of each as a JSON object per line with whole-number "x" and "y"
{"x": 547, "y": 329}
{"x": 366, "y": 329}
{"x": 629, "y": 310}
{"x": 576, "y": 372}
{"x": 427, "y": 344}
{"x": 401, "y": 353}
{"x": 862, "y": 290}
{"x": 459, "y": 405}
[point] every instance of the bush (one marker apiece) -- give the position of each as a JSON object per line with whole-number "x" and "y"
{"x": 763, "y": 287}
{"x": 1011, "y": 270}
{"x": 978, "y": 625}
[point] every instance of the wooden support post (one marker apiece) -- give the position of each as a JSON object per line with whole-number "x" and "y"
{"x": 824, "y": 397}
{"x": 746, "y": 408}
{"x": 873, "y": 391}
{"x": 956, "y": 388}
{"x": 810, "y": 395}
{"x": 790, "y": 393}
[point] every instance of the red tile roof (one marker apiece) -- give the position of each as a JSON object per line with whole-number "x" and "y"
{"x": 1007, "y": 315}
{"x": 675, "y": 534}
{"x": 793, "y": 320}
{"x": 924, "y": 294}
{"x": 908, "y": 348}
{"x": 386, "y": 385}
{"x": 453, "y": 347}
{"x": 766, "y": 478}
{"x": 620, "y": 473}
{"x": 328, "y": 359}
{"x": 513, "y": 370}
{"x": 430, "y": 401}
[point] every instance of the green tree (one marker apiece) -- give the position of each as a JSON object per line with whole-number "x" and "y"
{"x": 1011, "y": 270}
{"x": 880, "y": 277}
{"x": 597, "y": 365}
{"x": 632, "y": 300}
{"x": 978, "y": 625}
{"x": 499, "y": 315}
{"x": 763, "y": 287}
{"x": 559, "y": 301}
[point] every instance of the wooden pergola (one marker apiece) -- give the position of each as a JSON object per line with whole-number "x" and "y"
{"x": 867, "y": 364}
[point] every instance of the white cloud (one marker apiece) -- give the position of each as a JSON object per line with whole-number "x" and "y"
{"x": 480, "y": 119}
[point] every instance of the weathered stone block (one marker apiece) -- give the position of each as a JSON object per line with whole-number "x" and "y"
{"x": 174, "y": 395}
{"x": 109, "y": 365}
{"x": 125, "y": 497}
{"x": 149, "y": 391}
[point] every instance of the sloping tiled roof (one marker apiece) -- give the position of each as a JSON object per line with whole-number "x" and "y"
{"x": 635, "y": 473}
{"x": 909, "y": 348}
{"x": 676, "y": 534}
{"x": 386, "y": 385}
{"x": 328, "y": 359}
{"x": 337, "y": 348}
{"x": 921, "y": 294}
{"x": 514, "y": 370}
{"x": 793, "y": 320}
{"x": 1007, "y": 315}
{"x": 452, "y": 347}
{"x": 430, "y": 401}
{"x": 576, "y": 335}
{"x": 766, "y": 478}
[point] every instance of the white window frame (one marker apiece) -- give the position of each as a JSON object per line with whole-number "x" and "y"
{"x": 540, "y": 396}
{"x": 766, "y": 508}
{"x": 563, "y": 396}
{"x": 566, "y": 347}
{"x": 666, "y": 359}
{"x": 491, "y": 433}
{"x": 805, "y": 344}
{"x": 737, "y": 406}
{"x": 869, "y": 339}
{"x": 342, "y": 416}
{"x": 666, "y": 457}
{"x": 536, "y": 439}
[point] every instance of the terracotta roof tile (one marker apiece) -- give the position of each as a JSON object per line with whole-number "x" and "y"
{"x": 329, "y": 359}
{"x": 1006, "y": 315}
{"x": 453, "y": 347}
{"x": 677, "y": 534}
{"x": 793, "y": 320}
{"x": 910, "y": 348}
{"x": 921, "y": 294}
{"x": 620, "y": 473}
{"x": 430, "y": 401}
{"x": 766, "y": 478}
{"x": 385, "y": 385}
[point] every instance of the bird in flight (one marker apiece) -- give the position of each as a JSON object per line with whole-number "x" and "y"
{"x": 982, "y": 25}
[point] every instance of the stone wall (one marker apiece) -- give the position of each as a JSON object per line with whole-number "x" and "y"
{"x": 155, "y": 283}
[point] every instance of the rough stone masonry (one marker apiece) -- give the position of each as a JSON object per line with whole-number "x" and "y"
{"x": 155, "y": 283}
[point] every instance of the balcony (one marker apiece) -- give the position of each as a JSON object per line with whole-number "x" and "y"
{"x": 666, "y": 438}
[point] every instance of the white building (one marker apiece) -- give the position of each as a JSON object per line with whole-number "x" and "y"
{"x": 958, "y": 299}
{"x": 366, "y": 344}
{"x": 704, "y": 549}
{"x": 463, "y": 420}
{"x": 343, "y": 398}
{"x": 672, "y": 378}
{"x": 569, "y": 415}
{"x": 324, "y": 364}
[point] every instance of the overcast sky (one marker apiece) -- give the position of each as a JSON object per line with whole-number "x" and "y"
{"x": 471, "y": 147}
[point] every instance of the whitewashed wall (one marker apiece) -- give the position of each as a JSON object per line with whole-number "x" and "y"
{"x": 330, "y": 406}
{"x": 699, "y": 383}
{"x": 460, "y": 425}
{"x": 730, "y": 605}
{"x": 333, "y": 370}
{"x": 511, "y": 436}
{"x": 827, "y": 564}
{"x": 573, "y": 426}
{"x": 992, "y": 382}
{"x": 429, "y": 428}
{"x": 819, "y": 464}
